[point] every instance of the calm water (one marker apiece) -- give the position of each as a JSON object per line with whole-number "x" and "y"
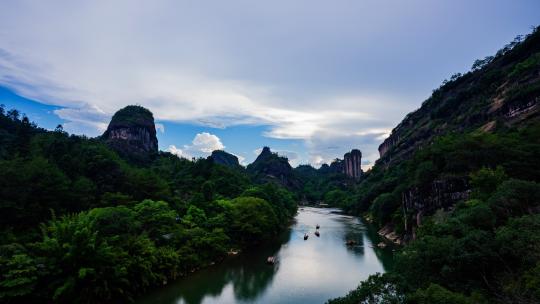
{"x": 309, "y": 271}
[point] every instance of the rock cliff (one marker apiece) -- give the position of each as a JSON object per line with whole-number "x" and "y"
{"x": 132, "y": 133}
{"x": 440, "y": 194}
{"x": 352, "y": 163}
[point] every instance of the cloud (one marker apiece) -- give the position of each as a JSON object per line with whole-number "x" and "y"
{"x": 88, "y": 119}
{"x": 324, "y": 73}
{"x": 241, "y": 159}
{"x": 206, "y": 143}
{"x": 202, "y": 145}
{"x": 160, "y": 127}
{"x": 178, "y": 152}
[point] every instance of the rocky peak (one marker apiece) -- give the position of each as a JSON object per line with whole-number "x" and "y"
{"x": 269, "y": 166}
{"x": 132, "y": 133}
{"x": 265, "y": 154}
{"x": 352, "y": 163}
{"x": 224, "y": 158}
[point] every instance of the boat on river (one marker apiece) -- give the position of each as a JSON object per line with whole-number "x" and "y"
{"x": 317, "y": 233}
{"x": 317, "y": 227}
{"x": 306, "y": 236}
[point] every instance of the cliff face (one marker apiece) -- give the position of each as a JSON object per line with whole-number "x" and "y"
{"x": 271, "y": 167}
{"x": 350, "y": 165}
{"x": 132, "y": 133}
{"x": 224, "y": 158}
{"x": 441, "y": 193}
{"x": 503, "y": 92}
{"x": 353, "y": 164}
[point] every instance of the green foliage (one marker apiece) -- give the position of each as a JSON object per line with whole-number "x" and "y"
{"x": 378, "y": 288}
{"x": 515, "y": 197}
{"x": 335, "y": 197}
{"x": 252, "y": 219}
{"x": 436, "y": 294}
{"x": 384, "y": 206}
{"x": 281, "y": 200}
{"x": 485, "y": 181}
{"x": 116, "y": 228}
{"x": 18, "y": 276}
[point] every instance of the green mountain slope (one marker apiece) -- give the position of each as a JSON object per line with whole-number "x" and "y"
{"x": 458, "y": 182}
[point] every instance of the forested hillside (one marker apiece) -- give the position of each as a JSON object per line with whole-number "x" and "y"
{"x": 80, "y": 224}
{"x": 458, "y": 182}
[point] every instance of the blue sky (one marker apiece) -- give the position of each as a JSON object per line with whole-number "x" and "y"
{"x": 311, "y": 79}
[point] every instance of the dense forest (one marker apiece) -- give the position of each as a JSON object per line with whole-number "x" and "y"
{"x": 458, "y": 180}
{"x": 81, "y": 224}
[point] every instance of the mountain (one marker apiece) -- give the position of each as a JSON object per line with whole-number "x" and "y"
{"x": 223, "y": 158}
{"x": 500, "y": 91}
{"x": 132, "y": 133}
{"x": 270, "y": 167}
{"x": 468, "y": 123}
{"x": 458, "y": 185}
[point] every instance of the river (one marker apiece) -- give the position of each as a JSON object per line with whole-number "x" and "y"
{"x": 310, "y": 271}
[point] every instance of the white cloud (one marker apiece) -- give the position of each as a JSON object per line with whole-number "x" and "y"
{"x": 241, "y": 159}
{"x": 160, "y": 127}
{"x": 202, "y": 145}
{"x": 178, "y": 152}
{"x": 88, "y": 119}
{"x": 95, "y": 58}
{"x": 206, "y": 143}
{"x": 325, "y": 73}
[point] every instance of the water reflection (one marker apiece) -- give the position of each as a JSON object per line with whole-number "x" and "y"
{"x": 307, "y": 272}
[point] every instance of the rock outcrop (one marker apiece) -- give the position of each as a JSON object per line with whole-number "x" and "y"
{"x": 223, "y": 158}
{"x": 352, "y": 163}
{"x": 440, "y": 194}
{"x": 132, "y": 133}
{"x": 269, "y": 166}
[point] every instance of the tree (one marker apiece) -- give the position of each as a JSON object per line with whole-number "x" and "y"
{"x": 485, "y": 181}
{"x": 253, "y": 219}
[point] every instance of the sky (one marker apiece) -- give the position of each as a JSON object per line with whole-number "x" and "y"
{"x": 310, "y": 79}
